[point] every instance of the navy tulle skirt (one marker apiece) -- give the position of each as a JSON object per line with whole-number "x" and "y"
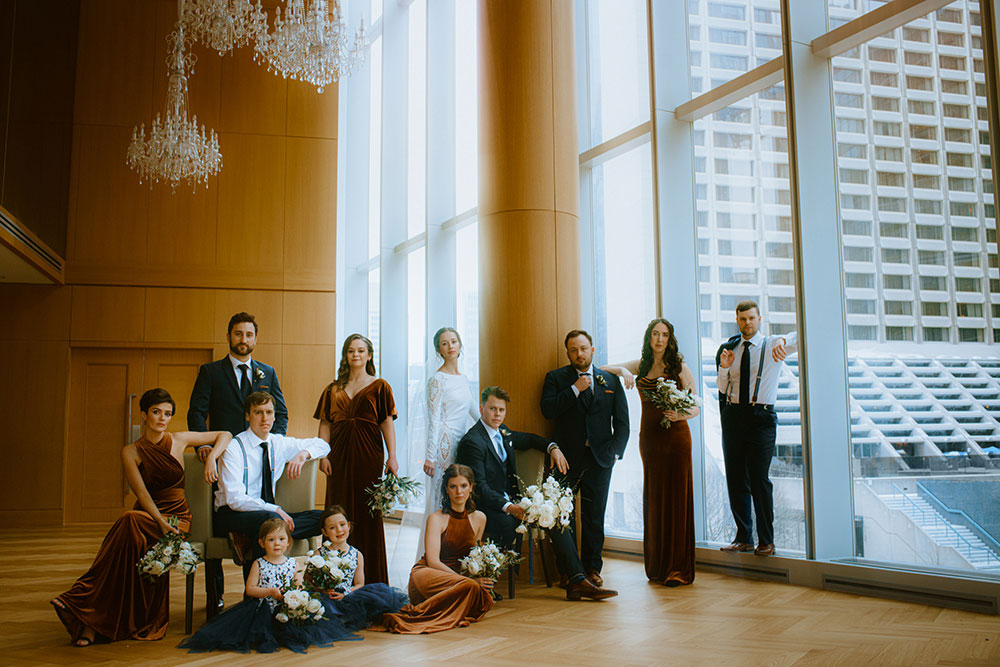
{"x": 356, "y": 610}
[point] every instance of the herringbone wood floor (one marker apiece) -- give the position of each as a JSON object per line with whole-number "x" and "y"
{"x": 719, "y": 620}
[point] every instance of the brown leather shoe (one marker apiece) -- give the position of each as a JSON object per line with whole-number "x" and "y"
{"x": 594, "y": 577}
{"x": 585, "y": 589}
{"x": 740, "y": 547}
{"x": 764, "y": 550}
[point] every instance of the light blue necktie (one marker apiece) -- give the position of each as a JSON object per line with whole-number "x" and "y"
{"x": 501, "y": 452}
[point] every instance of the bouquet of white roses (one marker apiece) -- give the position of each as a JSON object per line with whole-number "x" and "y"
{"x": 325, "y": 569}
{"x": 299, "y": 606}
{"x": 389, "y": 490}
{"x": 548, "y": 505}
{"x": 172, "y": 552}
{"x": 487, "y": 560}
{"x": 668, "y": 396}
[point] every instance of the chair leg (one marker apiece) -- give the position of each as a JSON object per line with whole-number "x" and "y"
{"x": 188, "y": 603}
{"x": 510, "y": 583}
{"x": 540, "y": 541}
{"x": 211, "y": 590}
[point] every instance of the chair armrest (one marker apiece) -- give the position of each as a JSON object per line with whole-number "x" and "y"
{"x": 298, "y": 495}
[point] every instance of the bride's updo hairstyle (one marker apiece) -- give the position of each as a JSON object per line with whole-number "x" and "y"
{"x": 155, "y": 397}
{"x": 452, "y": 471}
{"x": 437, "y": 339}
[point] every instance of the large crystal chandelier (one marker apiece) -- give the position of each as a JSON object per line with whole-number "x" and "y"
{"x": 310, "y": 43}
{"x": 177, "y": 150}
{"x": 224, "y": 25}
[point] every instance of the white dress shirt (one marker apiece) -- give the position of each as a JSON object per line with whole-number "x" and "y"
{"x": 236, "y": 369}
{"x": 729, "y": 378}
{"x": 590, "y": 372}
{"x": 281, "y": 449}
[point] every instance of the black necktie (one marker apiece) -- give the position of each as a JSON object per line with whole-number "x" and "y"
{"x": 587, "y": 395}
{"x": 745, "y": 374}
{"x": 266, "y": 487}
{"x": 244, "y": 381}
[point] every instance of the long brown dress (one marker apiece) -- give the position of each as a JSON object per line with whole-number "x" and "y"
{"x": 111, "y": 598}
{"x": 357, "y": 459}
{"x": 439, "y": 600}
{"x": 667, "y": 494}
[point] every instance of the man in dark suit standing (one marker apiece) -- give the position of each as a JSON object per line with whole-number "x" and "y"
{"x": 488, "y": 449}
{"x": 591, "y": 427}
{"x": 219, "y": 394}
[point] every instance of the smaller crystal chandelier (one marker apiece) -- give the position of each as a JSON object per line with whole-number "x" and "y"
{"x": 176, "y": 149}
{"x": 310, "y": 43}
{"x": 224, "y": 25}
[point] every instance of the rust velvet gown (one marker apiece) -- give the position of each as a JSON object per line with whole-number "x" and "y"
{"x": 439, "y": 600}
{"x": 357, "y": 459}
{"x": 667, "y": 494}
{"x": 111, "y": 598}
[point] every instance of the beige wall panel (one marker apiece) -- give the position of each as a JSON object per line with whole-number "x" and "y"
{"x": 179, "y": 315}
{"x": 567, "y": 163}
{"x": 35, "y": 312}
{"x": 114, "y": 63}
{"x": 204, "y": 82}
{"x": 253, "y": 99}
{"x": 310, "y": 318}
{"x": 310, "y": 214}
{"x": 181, "y": 235}
{"x": 251, "y": 204}
{"x": 569, "y": 299}
{"x": 312, "y": 114}
{"x": 307, "y": 370}
{"x": 110, "y": 223}
{"x": 265, "y": 306}
{"x": 268, "y": 353}
{"x": 107, "y": 313}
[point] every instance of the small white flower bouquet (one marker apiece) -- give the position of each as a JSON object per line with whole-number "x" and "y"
{"x": 299, "y": 607}
{"x": 668, "y": 396}
{"x": 389, "y": 490}
{"x": 548, "y": 505}
{"x": 325, "y": 569}
{"x": 172, "y": 552}
{"x": 487, "y": 560}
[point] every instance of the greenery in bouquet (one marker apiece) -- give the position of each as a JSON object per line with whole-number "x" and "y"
{"x": 547, "y": 505}
{"x": 171, "y": 552}
{"x": 389, "y": 490}
{"x": 486, "y": 559}
{"x": 325, "y": 569}
{"x": 666, "y": 395}
{"x": 299, "y": 606}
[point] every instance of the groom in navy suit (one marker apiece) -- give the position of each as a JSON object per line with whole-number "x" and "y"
{"x": 591, "y": 427}
{"x": 219, "y": 394}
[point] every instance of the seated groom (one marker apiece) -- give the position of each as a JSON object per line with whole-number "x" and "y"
{"x": 488, "y": 448}
{"x": 248, "y": 472}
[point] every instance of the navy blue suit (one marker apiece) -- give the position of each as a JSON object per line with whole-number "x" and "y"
{"x": 216, "y": 397}
{"x": 591, "y": 438}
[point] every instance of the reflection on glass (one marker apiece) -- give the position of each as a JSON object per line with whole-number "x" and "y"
{"x": 745, "y": 252}
{"x": 728, "y": 39}
{"x": 416, "y": 335}
{"x": 467, "y": 299}
{"x": 374, "y": 317}
{"x": 375, "y": 149}
{"x": 466, "y": 108}
{"x": 416, "y": 122}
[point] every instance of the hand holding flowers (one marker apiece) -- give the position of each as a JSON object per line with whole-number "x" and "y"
{"x": 299, "y": 606}
{"x": 547, "y": 505}
{"x": 389, "y": 490}
{"x": 172, "y": 552}
{"x": 668, "y": 397}
{"x": 325, "y": 569}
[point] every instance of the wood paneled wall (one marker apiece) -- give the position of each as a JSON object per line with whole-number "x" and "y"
{"x": 147, "y": 268}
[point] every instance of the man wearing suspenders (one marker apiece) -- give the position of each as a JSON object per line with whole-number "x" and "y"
{"x": 748, "y": 376}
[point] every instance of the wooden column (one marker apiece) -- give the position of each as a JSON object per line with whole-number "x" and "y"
{"x": 529, "y": 197}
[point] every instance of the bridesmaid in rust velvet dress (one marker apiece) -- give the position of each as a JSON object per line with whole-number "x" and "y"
{"x": 440, "y": 598}
{"x": 667, "y": 489}
{"x": 111, "y": 601}
{"x": 356, "y": 414}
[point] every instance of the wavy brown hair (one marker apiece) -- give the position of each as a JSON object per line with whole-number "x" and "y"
{"x": 451, "y": 472}
{"x": 672, "y": 357}
{"x": 344, "y": 371}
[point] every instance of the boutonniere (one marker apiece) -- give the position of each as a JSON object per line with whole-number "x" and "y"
{"x": 600, "y": 380}
{"x": 259, "y": 374}
{"x": 504, "y": 432}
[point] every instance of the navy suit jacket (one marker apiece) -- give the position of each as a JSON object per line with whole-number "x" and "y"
{"x": 604, "y": 425}
{"x": 216, "y": 398}
{"x": 493, "y": 476}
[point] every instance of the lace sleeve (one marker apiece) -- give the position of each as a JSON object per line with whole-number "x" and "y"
{"x": 435, "y": 418}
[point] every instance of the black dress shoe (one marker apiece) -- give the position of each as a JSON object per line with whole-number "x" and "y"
{"x": 585, "y": 589}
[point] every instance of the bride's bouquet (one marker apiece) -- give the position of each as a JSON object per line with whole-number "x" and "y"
{"x": 325, "y": 569}
{"x": 547, "y": 505}
{"x": 487, "y": 560}
{"x": 666, "y": 395}
{"x": 299, "y": 607}
{"x": 172, "y": 552}
{"x": 389, "y": 490}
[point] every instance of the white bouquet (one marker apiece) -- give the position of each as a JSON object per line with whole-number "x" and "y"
{"x": 299, "y": 606}
{"x": 325, "y": 569}
{"x": 666, "y": 395}
{"x": 487, "y": 560}
{"x": 172, "y": 552}
{"x": 388, "y": 490}
{"x": 548, "y": 505}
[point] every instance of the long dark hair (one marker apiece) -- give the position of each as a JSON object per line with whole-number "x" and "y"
{"x": 451, "y": 472}
{"x": 344, "y": 371}
{"x": 672, "y": 358}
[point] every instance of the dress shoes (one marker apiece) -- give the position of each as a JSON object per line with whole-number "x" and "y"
{"x": 585, "y": 589}
{"x": 764, "y": 550}
{"x": 594, "y": 577}
{"x": 739, "y": 547}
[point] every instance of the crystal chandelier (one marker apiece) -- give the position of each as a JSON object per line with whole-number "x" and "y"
{"x": 224, "y": 25}
{"x": 176, "y": 149}
{"x": 310, "y": 43}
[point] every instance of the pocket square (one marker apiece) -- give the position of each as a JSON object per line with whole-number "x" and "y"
{"x": 265, "y": 387}
{"x": 609, "y": 391}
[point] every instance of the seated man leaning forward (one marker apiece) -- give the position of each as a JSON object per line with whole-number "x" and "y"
{"x": 251, "y": 467}
{"x": 488, "y": 448}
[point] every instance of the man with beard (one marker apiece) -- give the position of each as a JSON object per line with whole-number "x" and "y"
{"x": 219, "y": 394}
